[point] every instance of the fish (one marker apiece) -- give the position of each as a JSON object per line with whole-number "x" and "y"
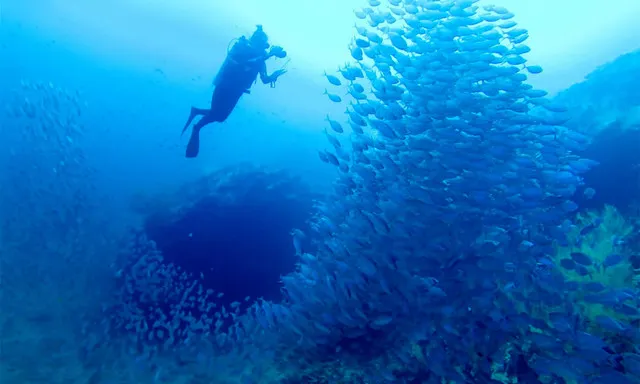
{"x": 333, "y": 79}
{"x": 612, "y": 260}
{"x": 594, "y": 286}
{"x": 581, "y": 258}
{"x": 335, "y": 126}
{"x": 333, "y": 97}
{"x": 590, "y": 227}
{"x": 534, "y": 69}
{"x": 568, "y": 264}
{"x": 453, "y": 243}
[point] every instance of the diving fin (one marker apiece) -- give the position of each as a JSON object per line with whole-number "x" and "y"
{"x": 193, "y": 147}
{"x": 192, "y": 115}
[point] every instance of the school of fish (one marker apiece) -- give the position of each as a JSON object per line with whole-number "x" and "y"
{"x": 434, "y": 258}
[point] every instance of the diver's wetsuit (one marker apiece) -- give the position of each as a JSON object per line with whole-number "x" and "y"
{"x": 236, "y": 76}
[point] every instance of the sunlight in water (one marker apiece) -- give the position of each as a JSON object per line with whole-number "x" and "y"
{"x": 568, "y": 39}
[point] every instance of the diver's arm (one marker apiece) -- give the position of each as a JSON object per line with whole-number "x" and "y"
{"x": 264, "y": 77}
{"x": 275, "y": 51}
{"x": 271, "y": 79}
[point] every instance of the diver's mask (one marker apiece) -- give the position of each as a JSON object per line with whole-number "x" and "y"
{"x": 259, "y": 39}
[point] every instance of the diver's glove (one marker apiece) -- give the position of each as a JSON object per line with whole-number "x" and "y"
{"x": 278, "y": 52}
{"x": 274, "y": 76}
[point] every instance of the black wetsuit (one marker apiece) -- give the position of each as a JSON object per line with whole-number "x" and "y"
{"x": 236, "y": 76}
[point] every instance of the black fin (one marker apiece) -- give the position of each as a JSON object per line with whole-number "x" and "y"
{"x": 194, "y": 144}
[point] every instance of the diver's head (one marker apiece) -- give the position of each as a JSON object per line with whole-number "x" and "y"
{"x": 259, "y": 39}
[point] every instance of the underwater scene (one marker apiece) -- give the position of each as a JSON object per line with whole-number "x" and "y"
{"x": 326, "y": 192}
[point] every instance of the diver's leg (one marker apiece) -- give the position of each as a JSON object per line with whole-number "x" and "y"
{"x": 193, "y": 147}
{"x": 194, "y": 112}
{"x": 225, "y": 103}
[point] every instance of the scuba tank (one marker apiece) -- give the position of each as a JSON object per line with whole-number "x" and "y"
{"x": 234, "y": 56}
{"x": 247, "y": 51}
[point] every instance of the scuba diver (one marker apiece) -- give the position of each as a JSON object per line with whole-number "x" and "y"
{"x": 244, "y": 62}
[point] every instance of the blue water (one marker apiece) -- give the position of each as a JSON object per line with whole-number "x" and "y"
{"x": 457, "y": 227}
